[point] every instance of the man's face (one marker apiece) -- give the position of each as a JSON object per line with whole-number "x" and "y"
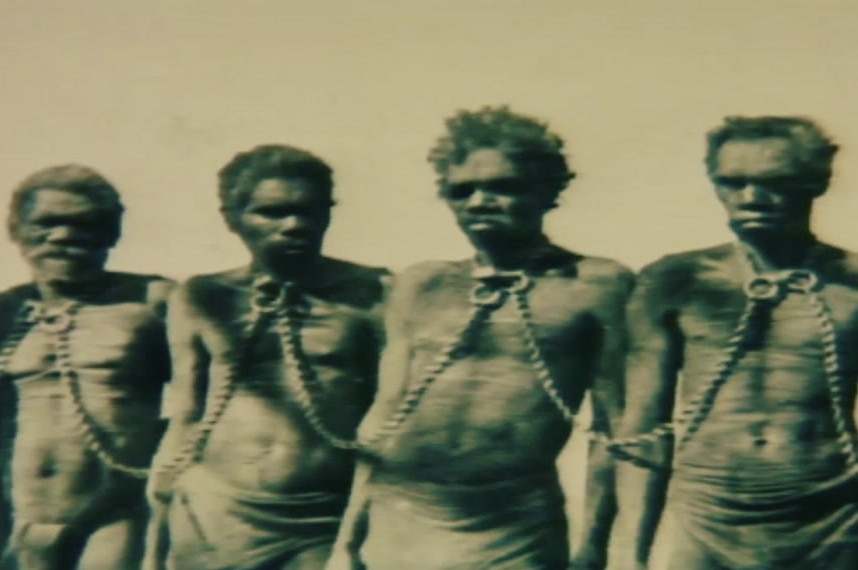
{"x": 64, "y": 236}
{"x": 764, "y": 187}
{"x": 284, "y": 221}
{"x": 491, "y": 201}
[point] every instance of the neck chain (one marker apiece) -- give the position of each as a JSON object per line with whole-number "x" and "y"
{"x": 490, "y": 293}
{"x": 285, "y": 305}
{"x": 58, "y": 324}
{"x": 763, "y": 292}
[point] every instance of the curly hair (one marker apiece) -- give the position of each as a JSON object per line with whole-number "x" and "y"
{"x": 526, "y": 141}
{"x": 813, "y": 148}
{"x": 77, "y": 179}
{"x": 246, "y": 170}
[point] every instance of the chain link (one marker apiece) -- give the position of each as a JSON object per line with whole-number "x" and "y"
{"x": 216, "y": 404}
{"x": 58, "y": 324}
{"x": 761, "y": 291}
{"x": 442, "y": 361}
{"x": 484, "y": 299}
{"x": 301, "y": 374}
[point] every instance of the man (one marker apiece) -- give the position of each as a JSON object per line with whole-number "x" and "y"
{"x": 763, "y": 331}
{"x": 486, "y": 364}
{"x": 83, "y": 362}
{"x": 274, "y": 365}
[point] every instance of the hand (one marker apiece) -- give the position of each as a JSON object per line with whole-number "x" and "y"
{"x": 588, "y": 559}
{"x": 159, "y": 488}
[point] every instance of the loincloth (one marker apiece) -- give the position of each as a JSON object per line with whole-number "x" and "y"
{"x": 508, "y": 525}
{"x": 38, "y": 543}
{"x": 772, "y": 529}
{"x": 214, "y": 526}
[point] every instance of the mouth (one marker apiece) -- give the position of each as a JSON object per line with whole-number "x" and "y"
{"x": 756, "y": 217}
{"x": 66, "y": 253}
{"x": 482, "y": 222}
{"x": 291, "y": 245}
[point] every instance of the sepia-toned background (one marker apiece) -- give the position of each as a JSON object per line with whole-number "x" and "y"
{"x": 158, "y": 94}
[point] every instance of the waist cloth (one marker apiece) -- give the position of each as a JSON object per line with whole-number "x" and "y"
{"x": 215, "y": 526}
{"x": 517, "y": 524}
{"x": 803, "y": 526}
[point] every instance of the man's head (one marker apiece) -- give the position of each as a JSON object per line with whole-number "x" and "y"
{"x": 278, "y": 199}
{"x": 499, "y": 172}
{"x": 767, "y": 172}
{"x": 65, "y": 219}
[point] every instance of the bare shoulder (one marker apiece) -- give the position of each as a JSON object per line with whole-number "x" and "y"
{"x": 428, "y": 276}
{"x": 679, "y": 270}
{"x": 604, "y": 272}
{"x": 839, "y": 265}
{"x": 209, "y": 291}
{"x": 150, "y": 289}
{"x": 350, "y": 283}
{"x": 10, "y": 302}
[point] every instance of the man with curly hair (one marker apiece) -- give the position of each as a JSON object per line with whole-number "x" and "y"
{"x": 274, "y": 364}
{"x": 762, "y": 466}
{"x": 83, "y": 360}
{"x": 487, "y": 362}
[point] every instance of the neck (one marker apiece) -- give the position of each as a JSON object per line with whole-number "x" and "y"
{"x": 54, "y": 292}
{"x": 778, "y": 251}
{"x": 510, "y": 255}
{"x": 282, "y": 272}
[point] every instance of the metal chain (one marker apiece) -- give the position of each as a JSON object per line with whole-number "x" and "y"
{"x": 762, "y": 290}
{"x": 535, "y": 355}
{"x": 484, "y": 299}
{"x": 68, "y": 378}
{"x": 698, "y": 408}
{"x": 442, "y": 361}
{"x": 301, "y": 374}
{"x": 217, "y": 403}
{"x": 59, "y": 324}
{"x": 833, "y": 374}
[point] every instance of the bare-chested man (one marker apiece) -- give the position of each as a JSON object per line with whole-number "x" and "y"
{"x": 274, "y": 365}
{"x": 83, "y": 362}
{"x": 488, "y": 360}
{"x": 764, "y": 332}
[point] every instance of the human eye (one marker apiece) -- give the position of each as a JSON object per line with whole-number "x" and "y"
{"x": 461, "y": 191}
{"x": 731, "y": 183}
{"x": 506, "y": 187}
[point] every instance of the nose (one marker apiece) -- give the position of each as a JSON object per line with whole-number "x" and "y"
{"x": 480, "y": 199}
{"x": 61, "y": 234}
{"x": 756, "y": 194}
{"x": 293, "y": 224}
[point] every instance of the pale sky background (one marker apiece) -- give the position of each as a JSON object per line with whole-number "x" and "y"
{"x": 159, "y": 94}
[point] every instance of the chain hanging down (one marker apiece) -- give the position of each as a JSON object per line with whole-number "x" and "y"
{"x": 193, "y": 446}
{"x": 764, "y": 290}
{"x": 485, "y": 297}
{"x": 299, "y": 371}
{"x": 58, "y": 324}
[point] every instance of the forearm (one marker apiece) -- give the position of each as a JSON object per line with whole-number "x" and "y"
{"x": 642, "y": 493}
{"x": 600, "y": 508}
{"x": 344, "y": 555}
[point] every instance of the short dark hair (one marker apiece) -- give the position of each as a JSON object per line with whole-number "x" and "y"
{"x": 525, "y": 140}
{"x": 74, "y": 178}
{"x": 814, "y": 148}
{"x": 246, "y": 170}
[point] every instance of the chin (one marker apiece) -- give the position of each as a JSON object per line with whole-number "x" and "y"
{"x": 754, "y": 230}
{"x": 64, "y": 271}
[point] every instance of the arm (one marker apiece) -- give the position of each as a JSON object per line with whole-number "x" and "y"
{"x": 654, "y": 360}
{"x": 606, "y": 395}
{"x": 183, "y": 404}
{"x": 10, "y": 303}
{"x": 393, "y": 370}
